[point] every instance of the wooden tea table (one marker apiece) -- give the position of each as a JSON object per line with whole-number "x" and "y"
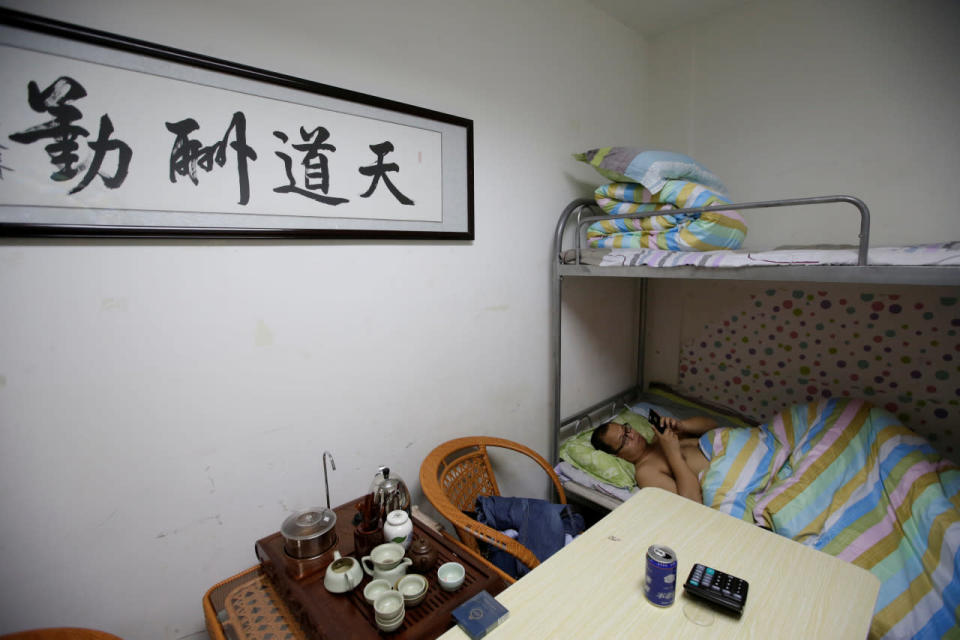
{"x": 272, "y": 601}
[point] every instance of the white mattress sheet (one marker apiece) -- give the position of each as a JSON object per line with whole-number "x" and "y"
{"x": 939, "y": 254}
{"x": 568, "y": 472}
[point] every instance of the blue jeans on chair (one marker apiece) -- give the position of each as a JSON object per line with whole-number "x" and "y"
{"x": 542, "y": 527}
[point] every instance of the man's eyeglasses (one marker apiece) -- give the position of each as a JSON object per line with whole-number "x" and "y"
{"x": 623, "y": 440}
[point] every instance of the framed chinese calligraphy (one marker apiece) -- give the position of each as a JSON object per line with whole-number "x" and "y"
{"x": 105, "y": 135}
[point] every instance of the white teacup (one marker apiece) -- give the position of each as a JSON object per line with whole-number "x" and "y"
{"x": 388, "y": 606}
{"x": 343, "y": 574}
{"x": 451, "y": 575}
{"x": 386, "y": 562}
{"x": 389, "y": 610}
{"x": 374, "y": 588}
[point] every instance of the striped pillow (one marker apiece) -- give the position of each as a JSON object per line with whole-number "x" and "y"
{"x": 650, "y": 168}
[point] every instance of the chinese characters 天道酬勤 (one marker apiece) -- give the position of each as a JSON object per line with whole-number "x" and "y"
{"x": 187, "y": 154}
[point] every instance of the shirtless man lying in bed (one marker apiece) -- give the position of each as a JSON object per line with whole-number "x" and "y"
{"x": 671, "y": 461}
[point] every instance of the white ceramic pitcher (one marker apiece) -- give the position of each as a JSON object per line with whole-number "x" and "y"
{"x": 386, "y": 561}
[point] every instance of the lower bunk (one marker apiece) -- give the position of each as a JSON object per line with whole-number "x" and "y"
{"x": 838, "y": 475}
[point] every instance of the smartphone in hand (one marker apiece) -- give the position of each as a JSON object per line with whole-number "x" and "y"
{"x": 656, "y": 421}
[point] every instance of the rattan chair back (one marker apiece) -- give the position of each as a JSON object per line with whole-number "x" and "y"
{"x": 457, "y": 472}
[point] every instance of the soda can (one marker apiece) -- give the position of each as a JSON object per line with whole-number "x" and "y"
{"x": 660, "y": 584}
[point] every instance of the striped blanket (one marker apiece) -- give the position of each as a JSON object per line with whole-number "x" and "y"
{"x": 684, "y": 232}
{"x": 846, "y": 478}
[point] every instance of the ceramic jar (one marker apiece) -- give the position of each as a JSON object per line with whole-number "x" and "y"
{"x": 423, "y": 555}
{"x": 398, "y": 528}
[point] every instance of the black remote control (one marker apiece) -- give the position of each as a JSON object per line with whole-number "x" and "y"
{"x": 717, "y": 587}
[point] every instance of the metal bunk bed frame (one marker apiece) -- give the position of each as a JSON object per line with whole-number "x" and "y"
{"x": 573, "y": 219}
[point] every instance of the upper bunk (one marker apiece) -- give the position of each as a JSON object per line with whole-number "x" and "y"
{"x": 933, "y": 264}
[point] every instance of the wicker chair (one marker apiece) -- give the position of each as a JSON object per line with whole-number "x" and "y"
{"x": 454, "y": 474}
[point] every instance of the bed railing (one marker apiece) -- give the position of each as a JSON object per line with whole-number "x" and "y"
{"x": 578, "y": 206}
{"x": 596, "y": 414}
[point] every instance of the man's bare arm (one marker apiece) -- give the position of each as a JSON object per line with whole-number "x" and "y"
{"x": 686, "y": 480}
{"x": 696, "y": 426}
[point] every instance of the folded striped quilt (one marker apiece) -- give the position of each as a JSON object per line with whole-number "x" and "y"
{"x": 846, "y": 478}
{"x": 680, "y": 232}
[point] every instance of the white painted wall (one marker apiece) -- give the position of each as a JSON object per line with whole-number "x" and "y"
{"x": 793, "y": 98}
{"x": 165, "y": 404}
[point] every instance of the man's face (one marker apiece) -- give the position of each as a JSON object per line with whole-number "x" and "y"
{"x": 625, "y": 441}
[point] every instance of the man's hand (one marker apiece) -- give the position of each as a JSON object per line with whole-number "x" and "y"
{"x": 672, "y": 424}
{"x": 669, "y": 439}
{"x": 684, "y": 479}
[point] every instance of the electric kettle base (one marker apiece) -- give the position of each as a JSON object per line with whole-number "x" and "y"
{"x": 299, "y": 568}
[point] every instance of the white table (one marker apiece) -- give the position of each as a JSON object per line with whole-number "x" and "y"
{"x": 593, "y": 588}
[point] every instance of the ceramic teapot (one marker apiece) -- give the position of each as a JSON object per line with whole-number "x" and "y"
{"x": 386, "y": 561}
{"x": 423, "y": 555}
{"x": 343, "y": 574}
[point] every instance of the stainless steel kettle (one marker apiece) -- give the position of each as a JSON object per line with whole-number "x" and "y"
{"x": 390, "y": 492}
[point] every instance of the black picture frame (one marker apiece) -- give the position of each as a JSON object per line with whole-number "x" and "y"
{"x": 44, "y": 208}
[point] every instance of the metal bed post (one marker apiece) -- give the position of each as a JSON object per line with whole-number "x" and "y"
{"x": 642, "y": 337}
{"x": 555, "y": 312}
